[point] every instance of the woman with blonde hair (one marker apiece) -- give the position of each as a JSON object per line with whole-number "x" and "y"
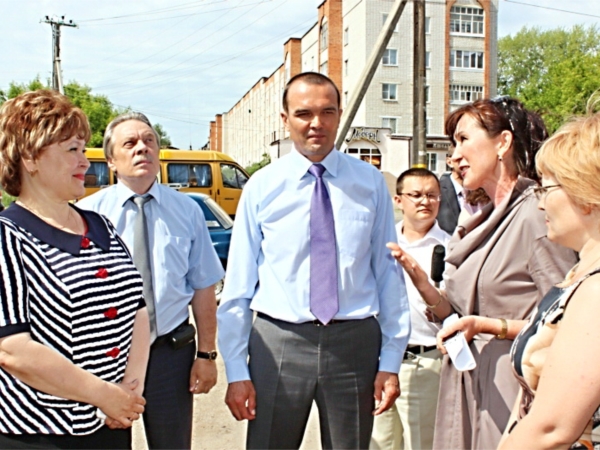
{"x": 556, "y": 357}
{"x": 74, "y": 332}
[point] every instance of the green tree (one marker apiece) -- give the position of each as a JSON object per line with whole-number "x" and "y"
{"x": 266, "y": 160}
{"x": 553, "y": 72}
{"x": 15, "y": 89}
{"x": 98, "y": 108}
{"x": 165, "y": 140}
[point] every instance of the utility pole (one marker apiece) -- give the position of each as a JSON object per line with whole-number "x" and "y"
{"x": 56, "y": 23}
{"x": 419, "y": 143}
{"x": 369, "y": 70}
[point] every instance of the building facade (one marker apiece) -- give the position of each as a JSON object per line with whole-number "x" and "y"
{"x": 461, "y": 61}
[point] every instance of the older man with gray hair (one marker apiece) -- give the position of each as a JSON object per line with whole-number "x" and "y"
{"x": 167, "y": 234}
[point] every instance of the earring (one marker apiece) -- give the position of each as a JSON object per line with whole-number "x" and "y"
{"x": 32, "y": 172}
{"x": 499, "y": 158}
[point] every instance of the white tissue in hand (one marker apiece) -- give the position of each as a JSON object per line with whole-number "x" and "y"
{"x": 458, "y": 350}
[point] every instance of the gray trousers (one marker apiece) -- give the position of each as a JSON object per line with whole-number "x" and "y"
{"x": 293, "y": 364}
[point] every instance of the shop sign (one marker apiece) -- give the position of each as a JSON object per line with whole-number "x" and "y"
{"x": 364, "y": 134}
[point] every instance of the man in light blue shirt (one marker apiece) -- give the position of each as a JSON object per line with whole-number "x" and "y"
{"x": 184, "y": 268}
{"x": 294, "y": 359}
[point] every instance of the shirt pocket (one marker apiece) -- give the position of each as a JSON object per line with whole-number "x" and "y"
{"x": 353, "y": 232}
{"x": 173, "y": 255}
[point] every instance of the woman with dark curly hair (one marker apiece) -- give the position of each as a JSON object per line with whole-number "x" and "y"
{"x": 74, "y": 333}
{"x": 500, "y": 264}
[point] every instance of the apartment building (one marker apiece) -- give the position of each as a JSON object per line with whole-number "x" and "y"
{"x": 461, "y": 60}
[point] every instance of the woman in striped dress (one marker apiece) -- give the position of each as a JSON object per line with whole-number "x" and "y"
{"x": 74, "y": 333}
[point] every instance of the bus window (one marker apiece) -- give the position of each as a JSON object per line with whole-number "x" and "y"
{"x": 233, "y": 177}
{"x": 96, "y": 175}
{"x": 196, "y": 175}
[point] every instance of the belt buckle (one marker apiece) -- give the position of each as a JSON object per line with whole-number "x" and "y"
{"x": 409, "y": 355}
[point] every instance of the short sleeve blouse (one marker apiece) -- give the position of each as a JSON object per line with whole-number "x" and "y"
{"x": 77, "y": 295}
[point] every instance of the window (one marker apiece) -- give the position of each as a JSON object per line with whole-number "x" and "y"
{"x": 466, "y": 20}
{"x": 384, "y": 18}
{"x": 96, "y": 175}
{"x": 346, "y": 36}
{"x": 195, "y": 175}
{"x": 324, "y": 37}
{"x": 346, "y": 67}
{"x": 466, "y": 59}
{"x": 428, "y": 60}
{"x": 370, "y": 155}
{"x": 426, "y": 94}
{"x": 389, "y": 91}
{"x": 464, "y": 93}
{"x": 432, "y": 161}
{"x": 390, "y": 57}
{"x": 324, "y": 68}
{"x": 389, "y": 122}
{"x": 427, "y": 25}
{"x": 233, "y": 177}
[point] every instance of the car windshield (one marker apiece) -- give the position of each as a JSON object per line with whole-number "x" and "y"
{"x": 220, "y": 215}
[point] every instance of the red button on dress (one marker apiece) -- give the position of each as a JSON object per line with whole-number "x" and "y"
{"x": 85, "y": 242}
{"x": 102, "y": 273}
{"x": 111, "y": 313}
{"x": 113, "y": 353}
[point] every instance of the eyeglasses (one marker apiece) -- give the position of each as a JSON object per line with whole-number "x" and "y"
{"x": 416, "y": 197}
{"x": 541, "y": 191}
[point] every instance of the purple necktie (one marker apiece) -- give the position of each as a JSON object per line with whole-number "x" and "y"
{"x": 323, "y": 256}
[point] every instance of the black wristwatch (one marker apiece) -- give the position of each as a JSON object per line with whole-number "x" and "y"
{"x": 211, "y": 356}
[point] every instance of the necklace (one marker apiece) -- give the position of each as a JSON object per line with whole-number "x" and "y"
{"x": 72, "y": 218}
{"x": 575, "y": 273}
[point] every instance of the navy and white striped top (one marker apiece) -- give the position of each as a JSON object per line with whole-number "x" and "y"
{"x": 77, "y": 295}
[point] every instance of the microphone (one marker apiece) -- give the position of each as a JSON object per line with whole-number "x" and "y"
{"x": 437, "y": 264}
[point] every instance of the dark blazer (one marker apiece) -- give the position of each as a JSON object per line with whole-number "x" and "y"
{"x": 449, "y": 207}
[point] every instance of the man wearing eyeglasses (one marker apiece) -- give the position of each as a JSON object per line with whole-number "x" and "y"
{"x": 409, "y": 423}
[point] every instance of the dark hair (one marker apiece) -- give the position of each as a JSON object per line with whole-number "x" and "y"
{"x": 414, "y": 172}
{"x": 309, "y": 78}
{"x": 505, "y": 113}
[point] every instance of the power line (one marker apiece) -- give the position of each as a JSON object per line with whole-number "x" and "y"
{"x": 174, "y": 17}
{"x": 553, "y": 9}
{"x": 161, "y": 81}
{"x": 161, "y": 62}
{"x": 155, "y": 11}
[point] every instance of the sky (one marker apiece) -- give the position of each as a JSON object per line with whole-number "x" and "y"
{"x": 181, "y": 61}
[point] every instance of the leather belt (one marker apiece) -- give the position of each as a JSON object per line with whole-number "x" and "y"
{"x": 315, "y": 322}
{"x": 165, "y": 338}
{"x": 413, "y": 350}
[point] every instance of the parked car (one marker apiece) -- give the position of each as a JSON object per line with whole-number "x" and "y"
{"x": 219, "y": 226}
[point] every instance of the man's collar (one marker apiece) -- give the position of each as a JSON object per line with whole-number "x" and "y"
{"x": 435, "y": 233}
{"x": 124, "y": 193}
{"x": 457, "y": 186}
{"x": 300, "y": 163}
{"x": 67, "y": 242}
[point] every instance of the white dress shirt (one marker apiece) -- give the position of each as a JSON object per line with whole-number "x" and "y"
{"x": 422, "y": 330}
{"x": 269, "y": 259}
